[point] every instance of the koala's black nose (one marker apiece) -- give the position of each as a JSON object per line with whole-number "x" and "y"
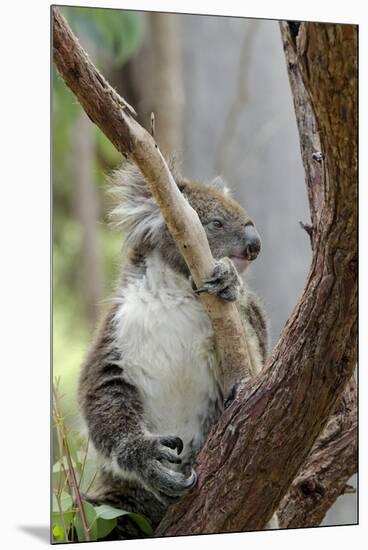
{"x": 252, "y": 242}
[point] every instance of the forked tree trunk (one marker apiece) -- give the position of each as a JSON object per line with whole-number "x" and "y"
{"x": 265, "y": 436}
{"x": 334, "y": 458}
{"x": 328, "y": 468}
{"x": 260, "y": 443}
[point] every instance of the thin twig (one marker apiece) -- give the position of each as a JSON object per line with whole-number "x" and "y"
{"x": 83, "y": 464}
{"x": 57, "y": 496}
{"x": 70, "y": 466}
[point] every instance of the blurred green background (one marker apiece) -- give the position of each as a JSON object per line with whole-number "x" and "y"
{"x": 86, "y": 251}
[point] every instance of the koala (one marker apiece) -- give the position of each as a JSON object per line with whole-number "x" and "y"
{"x": 150, "y": 388}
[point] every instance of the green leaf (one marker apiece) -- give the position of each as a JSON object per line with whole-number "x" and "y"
{"x": 89, "y": 474}
{"x": 62, "y": 465}
{"x": 105, "y": 511}
{"x": 73, "y": 452}
{"x": 105, "y": 526}
{"x": 90, "y": 514}
{"x": 57, "y": 518}
{"x": 65, "y": 500}
{"x": 143, "y": 523}
{"x": 58, "y": 480}
{"x": 58, "y": 533}
{"x": 58, "y": 522}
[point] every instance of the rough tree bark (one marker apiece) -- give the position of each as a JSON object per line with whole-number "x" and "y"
{"x": 259, "y": 445}
{"x": 325, "y": 473}
{"x": 334, "y": 457}
{"x": 262, "y": 440}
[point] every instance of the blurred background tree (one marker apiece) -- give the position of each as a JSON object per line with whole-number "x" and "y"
{"x": 220, "y": 93}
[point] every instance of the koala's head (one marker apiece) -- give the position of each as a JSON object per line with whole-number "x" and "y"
{"x": 230, "y": 231}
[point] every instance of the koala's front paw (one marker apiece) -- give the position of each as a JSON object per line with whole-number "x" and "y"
{"x": 161, "y": 477}
{"x": 224, "y": 281}
{"x": 148, "y": 458}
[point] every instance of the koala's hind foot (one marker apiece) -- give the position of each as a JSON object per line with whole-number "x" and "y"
{"x": 224, "y": 281}
{"x": 145, "y": 456}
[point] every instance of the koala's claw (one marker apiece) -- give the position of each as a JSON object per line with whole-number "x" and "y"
{"x": 165, "y": 454}
{"x": 224, "y": 281}
{"x": 171, "y": 483}
{"x": 173, "y": 441}
{"x": 192, "y": 480}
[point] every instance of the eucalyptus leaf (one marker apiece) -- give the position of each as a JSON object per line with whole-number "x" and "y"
{"x": 58, "y": 479}
{"x": 62, "y": 465}
{"x": 58, "y": 522}
{"x": 62, "y": 504}
{"x": 105, "y": 526}
{"x": 58, "y": 534}
{"x": 91, "y": 517}
{"x": 105, "y": 511}
{"x": 88, "y": 476}
{"x": 143, "y": 523}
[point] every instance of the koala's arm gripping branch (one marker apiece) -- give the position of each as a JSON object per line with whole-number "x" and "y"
{"x": 114, "y": 117}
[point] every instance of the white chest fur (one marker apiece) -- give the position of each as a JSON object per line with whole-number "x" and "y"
{"x": 166, "y": 341}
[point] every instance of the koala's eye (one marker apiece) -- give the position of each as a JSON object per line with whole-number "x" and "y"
{"x": 217, "y": 224}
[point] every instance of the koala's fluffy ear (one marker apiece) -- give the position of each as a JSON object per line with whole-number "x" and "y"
{"x": 220, "y": 184}
{"x": 135, "y": 211}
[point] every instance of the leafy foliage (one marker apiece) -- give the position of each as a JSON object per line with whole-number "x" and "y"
{"x": 73, "y": 476}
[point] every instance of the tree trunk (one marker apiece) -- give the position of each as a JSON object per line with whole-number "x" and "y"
{"x": 152, "y": 80}
{"x": 264, "y": 437}
{"x": 328, "y": 468}
{"x": 261, "y": 442}
{"x": 334, "y": 457}
{"x": 165, "y": 95}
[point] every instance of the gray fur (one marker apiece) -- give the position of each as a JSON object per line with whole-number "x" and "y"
{"x": 141, "y": 470}
{"x": 136, "y": 212}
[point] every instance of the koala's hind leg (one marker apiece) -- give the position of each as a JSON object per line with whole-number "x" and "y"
{"x": 128, "y": 496}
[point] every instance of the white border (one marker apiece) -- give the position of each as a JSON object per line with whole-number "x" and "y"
{"x": 25, "y": 239}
